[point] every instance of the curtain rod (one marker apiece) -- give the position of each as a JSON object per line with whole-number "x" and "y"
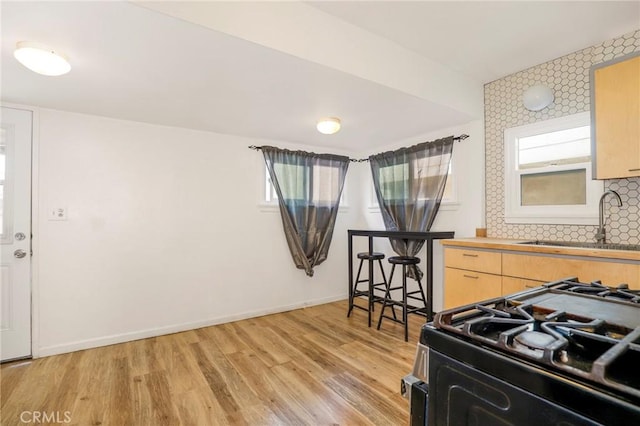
{"x": 361, "y": 160}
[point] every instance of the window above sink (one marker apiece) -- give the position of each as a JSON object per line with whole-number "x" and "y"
{"x": 548, "y": 173}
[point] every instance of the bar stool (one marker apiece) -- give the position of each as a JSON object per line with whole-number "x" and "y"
{"x": 406, "y": 308}
{"x": 369, "y": 293}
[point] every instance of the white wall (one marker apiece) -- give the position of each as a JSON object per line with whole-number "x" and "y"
{"x": 463, "y": 217}
{"x": 164, "y": 233}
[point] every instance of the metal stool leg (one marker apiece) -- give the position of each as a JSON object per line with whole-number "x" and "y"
{"x": 353, "y": 290}
{"x": 370, "y": 295}
{"x": 384, "y": 281}
{"x": 404, "y": 303}
{"x": 421, "y": 298}
{"x": 424, "y": 298}
{"x": 388, "y": 284}
{"x": 387, "y": 296}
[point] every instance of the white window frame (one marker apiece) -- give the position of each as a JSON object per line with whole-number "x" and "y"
{"x": 451, "y": 203}
{"x": 270, "y": 202}
{"x": 576, "y": 214}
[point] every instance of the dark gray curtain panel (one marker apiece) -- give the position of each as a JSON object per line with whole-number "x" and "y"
{"x": 409, "y": 184}
{"x": 309, "y": 187}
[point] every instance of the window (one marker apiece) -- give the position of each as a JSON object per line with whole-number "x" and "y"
{"x": 548, "y": 173}
{"x": 297, "y": 191}
{"x": 416, "y": 177}
{"x": 449, "y": 197}
{"x": 431, "y": 178}
{"x": 320, "y": 193}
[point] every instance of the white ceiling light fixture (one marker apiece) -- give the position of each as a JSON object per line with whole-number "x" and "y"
{"x": 41, "y": 59}
{"x": 329, "y": 125}
{"x": 537, "y": 97}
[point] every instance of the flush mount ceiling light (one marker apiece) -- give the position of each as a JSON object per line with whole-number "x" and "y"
{"x": 329, "y": 125}
{"x": 537, "y": 97}
{"x": 41, "y": 59}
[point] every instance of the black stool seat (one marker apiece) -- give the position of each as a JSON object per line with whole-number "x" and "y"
{"x": 404, "y": 260}
{"x": 373, "y": 256}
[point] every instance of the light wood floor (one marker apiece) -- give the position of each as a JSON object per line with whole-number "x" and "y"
{"x": 311, "y": 366}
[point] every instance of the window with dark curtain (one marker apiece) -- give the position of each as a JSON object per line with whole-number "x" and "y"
{"x": 308, "y": 187}
{"x": 409, "y": 184}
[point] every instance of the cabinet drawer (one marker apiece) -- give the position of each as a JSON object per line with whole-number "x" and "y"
{"x": 547, "y": 268}
{"x": 465, "y": 287}
{"x": 512, "y": 285}
{"x": 474, "y": 260}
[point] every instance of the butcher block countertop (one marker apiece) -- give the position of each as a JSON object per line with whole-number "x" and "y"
{"x": 513, "y": 245}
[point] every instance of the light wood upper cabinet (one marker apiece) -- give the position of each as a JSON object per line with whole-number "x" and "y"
{"x": 615, "y": 118}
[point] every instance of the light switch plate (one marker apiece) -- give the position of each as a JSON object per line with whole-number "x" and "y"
{"x": 58, "y": 213}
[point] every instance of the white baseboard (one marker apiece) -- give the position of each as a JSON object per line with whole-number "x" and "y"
{"x": 153, "y": 332}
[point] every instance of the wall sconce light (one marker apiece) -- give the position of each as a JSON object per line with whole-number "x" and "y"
{"x": 41, "y": 59}
{"x": 537, "y": 97}
{"x": 329, "y": 125}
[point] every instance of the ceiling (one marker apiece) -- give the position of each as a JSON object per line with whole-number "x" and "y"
{"x": 488, "y": 40}
{"x": 268, "y": 70}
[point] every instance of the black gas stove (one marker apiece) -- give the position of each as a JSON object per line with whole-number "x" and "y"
{"x": 566, "y": 353}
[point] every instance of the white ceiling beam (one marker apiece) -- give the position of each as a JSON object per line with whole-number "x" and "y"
{"x": 308, "y": 33}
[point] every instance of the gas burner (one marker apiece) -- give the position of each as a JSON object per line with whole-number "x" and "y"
{"x": 535, "y": 339}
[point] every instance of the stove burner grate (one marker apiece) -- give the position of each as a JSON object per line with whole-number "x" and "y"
{"x": 532, "y": 325}
{"x": 596, "y": 288}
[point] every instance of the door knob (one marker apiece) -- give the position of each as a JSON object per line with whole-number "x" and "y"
{"x": 19, "y": 254}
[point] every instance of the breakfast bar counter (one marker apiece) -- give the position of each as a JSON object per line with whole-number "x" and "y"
{"x": 428, "y": 237}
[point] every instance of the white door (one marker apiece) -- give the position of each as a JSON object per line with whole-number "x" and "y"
{"x": 15, "y": 225}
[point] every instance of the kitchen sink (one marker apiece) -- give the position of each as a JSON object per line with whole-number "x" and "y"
{"x": 605, "y": 246}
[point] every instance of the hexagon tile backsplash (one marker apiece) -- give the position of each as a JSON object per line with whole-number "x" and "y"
{"x": 568, "y": 76}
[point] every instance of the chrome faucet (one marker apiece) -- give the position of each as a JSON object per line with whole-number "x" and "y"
{"x": 601, "y": 235}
